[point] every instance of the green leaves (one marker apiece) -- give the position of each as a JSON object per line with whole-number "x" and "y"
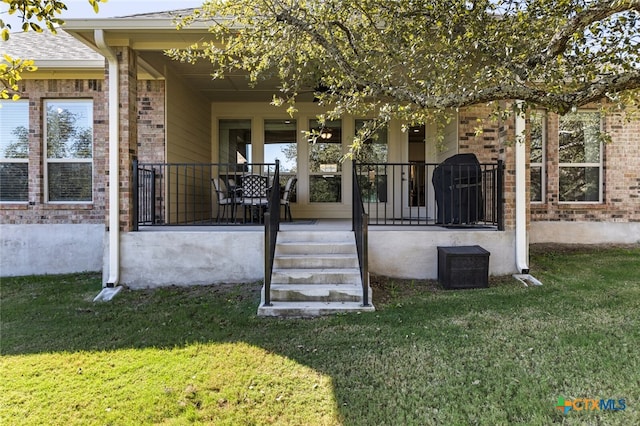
{"x": 11, "y": 70}
{"x": 414, "y": 60}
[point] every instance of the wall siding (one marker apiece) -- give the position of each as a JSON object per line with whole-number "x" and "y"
{"x": 188, "y": 124}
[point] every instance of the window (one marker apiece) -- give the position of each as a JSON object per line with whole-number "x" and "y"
{"x": 235, "y": 141}
{"x": 580, "y": 157}
{"x": 537, "y": 155}
{"x": 280, "y": 144}
{"x": 14, "y": 151}
{"x": 325, "y": 168}
{"x": 375, "y": 151}
{"x": 69, "y": 150}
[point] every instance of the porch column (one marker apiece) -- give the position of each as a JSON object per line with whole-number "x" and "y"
{"x": 128, "y": 130}
{"x": 522, "y": 243}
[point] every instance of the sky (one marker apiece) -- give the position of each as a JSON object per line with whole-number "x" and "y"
{"x": 82, "y": 9}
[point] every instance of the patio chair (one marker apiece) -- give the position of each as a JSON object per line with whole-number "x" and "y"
{"x": 285, "y": 200}
{"x": 254, "y": 196}
{"x": 225, "y": 198}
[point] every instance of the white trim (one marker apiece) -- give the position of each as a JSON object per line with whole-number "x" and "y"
{"x": 599, "y": 164}
{"x": 522, "y": 247}
{"x": 114, "y": 159}
{"x": 45, "y": 150}
{"x": 542, "y": 164}
{"x": 65, "y": 65}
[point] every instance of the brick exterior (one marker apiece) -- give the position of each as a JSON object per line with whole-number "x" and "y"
{"x": 621, "y": 175}
{"x": 37, "y": 211}
{"x": 151, "y": 128}
{"x": 493, "y": 143}
{"x": 148, "y": 112}
{"x": 142, "y": 127}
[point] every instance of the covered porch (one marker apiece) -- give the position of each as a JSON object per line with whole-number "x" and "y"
{"x": 170, "y": 123}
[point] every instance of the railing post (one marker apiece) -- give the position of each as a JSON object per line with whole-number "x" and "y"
{"x": 136, "y": 197}
{"x": 500, "y": 195}
{"x": 365, "y": 260}
{"x": 354, "y": 188}
{"x": 268, "y": 256}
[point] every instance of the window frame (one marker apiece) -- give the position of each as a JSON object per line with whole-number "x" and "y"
{"x": 543, "y": 155}
{"x": 10, "y": 160}
{"x": 598, "y": 164}
{"x": 45, "y": 153}
{"x": 338, "y": 173}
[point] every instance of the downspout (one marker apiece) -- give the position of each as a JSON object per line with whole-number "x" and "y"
{"x": 522, "y": 257}
{"x": 522, "y": 241}
{"x": 114, "y": 174}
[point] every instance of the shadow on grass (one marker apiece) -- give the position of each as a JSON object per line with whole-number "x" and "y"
{"x": 420, "y": 348}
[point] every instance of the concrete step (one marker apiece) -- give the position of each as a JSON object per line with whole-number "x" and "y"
{"x": 315, "y": 247}
{"x": 310, "y": 309}
{"x": 315, "y": 273}
{"x": 316, "y": 276}
{"x": 316, "y": 236}
{"x": 316, "y": 293}
{"x": 315, "y": 261}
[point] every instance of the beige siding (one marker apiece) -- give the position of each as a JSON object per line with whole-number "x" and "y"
{"x": 188, "y": 124}
{"x": 188, "y": 141}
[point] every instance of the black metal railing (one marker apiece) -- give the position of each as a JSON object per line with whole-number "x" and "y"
{"x": 185, "y": 193}
{"x": 271, "y": 228}
{"x": 144, "y": 182}
{"x": 451, "y": 195}
{"x": 360, "y": 228}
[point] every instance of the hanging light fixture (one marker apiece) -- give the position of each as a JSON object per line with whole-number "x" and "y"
{"x": 325, "y": 133}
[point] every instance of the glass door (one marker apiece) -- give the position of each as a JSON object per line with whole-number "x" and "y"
{"x": 325, "y": 168}
{"x": 417, "y": 177}
{"x": 375, "y": 153}
{"x": 280, "y": 144}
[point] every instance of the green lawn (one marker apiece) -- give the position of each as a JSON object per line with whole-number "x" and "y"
{"x": 502, "y": 355}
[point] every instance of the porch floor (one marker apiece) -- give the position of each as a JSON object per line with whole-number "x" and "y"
{"x": 309, "y": 225}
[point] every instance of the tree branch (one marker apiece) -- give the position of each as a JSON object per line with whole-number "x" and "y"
{"x": 594, "y": 13}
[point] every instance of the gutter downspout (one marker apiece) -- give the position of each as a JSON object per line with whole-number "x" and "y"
{"x": 112, "y": 288}
{"x": 522, "y": 241}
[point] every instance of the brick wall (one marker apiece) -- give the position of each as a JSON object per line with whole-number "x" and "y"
{"x": 149, "y": 99}
{"x": 494, "y": 142}
{"x": 621, "y": 190}
{"x": 151, "y": 126}
{"x": 36, "y": 210}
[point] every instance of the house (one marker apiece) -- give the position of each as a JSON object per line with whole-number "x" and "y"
{"x": 126, "y": 107}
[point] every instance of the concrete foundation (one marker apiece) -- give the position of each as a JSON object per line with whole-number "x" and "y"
{"x": 50, "y": 249}
{"x": 406, "y": 254}
{"x": 585, "y": 232}
{"x": 162, "y": 258}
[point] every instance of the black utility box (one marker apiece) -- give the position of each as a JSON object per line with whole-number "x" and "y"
{"x": 463, "y": 267}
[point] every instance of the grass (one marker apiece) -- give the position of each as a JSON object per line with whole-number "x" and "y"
{"x": 498, "y": 356}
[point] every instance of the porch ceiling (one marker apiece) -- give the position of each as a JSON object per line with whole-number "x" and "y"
{"x": 150, "y": 38}
{"x": 233, "y": 88}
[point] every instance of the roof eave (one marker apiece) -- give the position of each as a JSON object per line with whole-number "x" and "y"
{"x": 131, "y": 24}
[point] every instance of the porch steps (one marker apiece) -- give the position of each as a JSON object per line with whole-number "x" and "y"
{"x": 315, "y": 273}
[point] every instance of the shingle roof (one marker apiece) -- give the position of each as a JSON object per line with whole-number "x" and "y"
{"x": 167, "y": 14}
{"x": 45, "y": 46}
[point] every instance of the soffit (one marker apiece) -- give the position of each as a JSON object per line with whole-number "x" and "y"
{"x": 151, "y": 37}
